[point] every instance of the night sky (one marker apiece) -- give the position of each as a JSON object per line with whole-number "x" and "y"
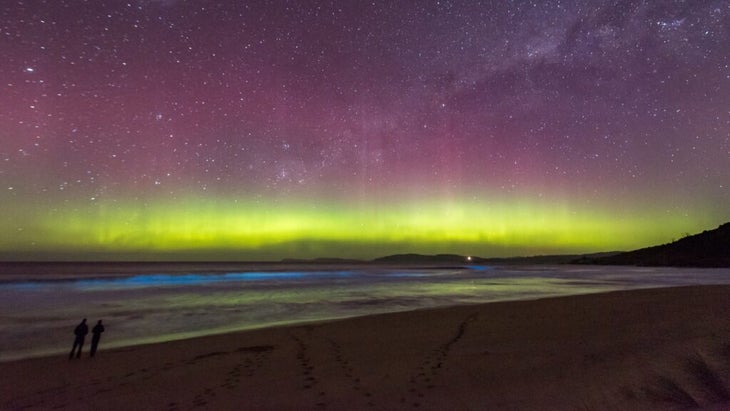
{"x": 165, "y": 129}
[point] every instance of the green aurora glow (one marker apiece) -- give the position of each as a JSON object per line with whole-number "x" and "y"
{"x": 196, "y": 229}
{"x": 240, "y": 130}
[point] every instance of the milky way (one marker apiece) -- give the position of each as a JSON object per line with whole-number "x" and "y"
{"x": 271, "y": 129}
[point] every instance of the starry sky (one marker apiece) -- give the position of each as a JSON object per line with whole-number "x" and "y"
{"x": 192, "y": 130}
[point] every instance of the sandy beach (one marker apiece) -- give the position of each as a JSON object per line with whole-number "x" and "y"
{"x": 647, "y": 349}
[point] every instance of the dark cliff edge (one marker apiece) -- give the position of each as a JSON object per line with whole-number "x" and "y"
{"x": 710, "y": 248}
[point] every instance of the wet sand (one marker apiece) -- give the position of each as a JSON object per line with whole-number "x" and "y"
{"x": 647, "y": 349}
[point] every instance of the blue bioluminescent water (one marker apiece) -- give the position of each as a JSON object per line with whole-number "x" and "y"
{"x": 163, "y": 280}
{"x": 38, "y": 314}
{"x": 166, "y": 280}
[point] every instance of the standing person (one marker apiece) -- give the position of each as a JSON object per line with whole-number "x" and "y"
{"x": 95, "y": 336}
{"x": 80, "y": 332}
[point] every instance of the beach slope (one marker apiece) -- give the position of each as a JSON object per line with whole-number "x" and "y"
{"x": 646, "y": 349}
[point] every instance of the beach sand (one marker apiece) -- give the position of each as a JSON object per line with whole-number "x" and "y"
{"x": 647, "y": 349}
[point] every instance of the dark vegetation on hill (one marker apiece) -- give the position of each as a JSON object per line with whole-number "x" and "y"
{"x": 438, "y": 259}
{"x": 710, "y": 248}
{"x": 547, "y": 259}
{"x": 460, "y": 260}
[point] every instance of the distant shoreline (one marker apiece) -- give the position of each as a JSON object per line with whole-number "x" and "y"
{"x": 405, "y": 261}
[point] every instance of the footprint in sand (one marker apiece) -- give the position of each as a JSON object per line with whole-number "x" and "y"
{"x": 309, "y": 381}
{"x": 202, "y": 398}
{"x": 349, "y": 372}
{"x": 260, "y": 354}
{"x": 431, "y": 366}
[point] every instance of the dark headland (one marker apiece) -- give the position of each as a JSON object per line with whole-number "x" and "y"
{"x": 710, "y": 248}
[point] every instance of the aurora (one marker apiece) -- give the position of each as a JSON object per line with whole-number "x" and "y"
{"x": 172, "y": 130}
{"x": 203, "y": 229}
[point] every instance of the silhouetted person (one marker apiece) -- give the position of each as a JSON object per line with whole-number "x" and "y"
{"x": 95, "y": 336}
{"x": 80, "y": 331}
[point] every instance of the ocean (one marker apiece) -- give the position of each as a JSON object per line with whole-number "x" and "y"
{"x": 38, "y": 314}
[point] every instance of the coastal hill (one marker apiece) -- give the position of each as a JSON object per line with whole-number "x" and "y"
{"x": 460, "y": 260}
{"x": 437, "y": 259}
{"x": 710, "y": 248}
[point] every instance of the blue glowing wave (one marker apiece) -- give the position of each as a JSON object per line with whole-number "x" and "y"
{"x": 167, "y": 280}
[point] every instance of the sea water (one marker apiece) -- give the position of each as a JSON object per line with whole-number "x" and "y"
{"x": 37, "y": 316}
